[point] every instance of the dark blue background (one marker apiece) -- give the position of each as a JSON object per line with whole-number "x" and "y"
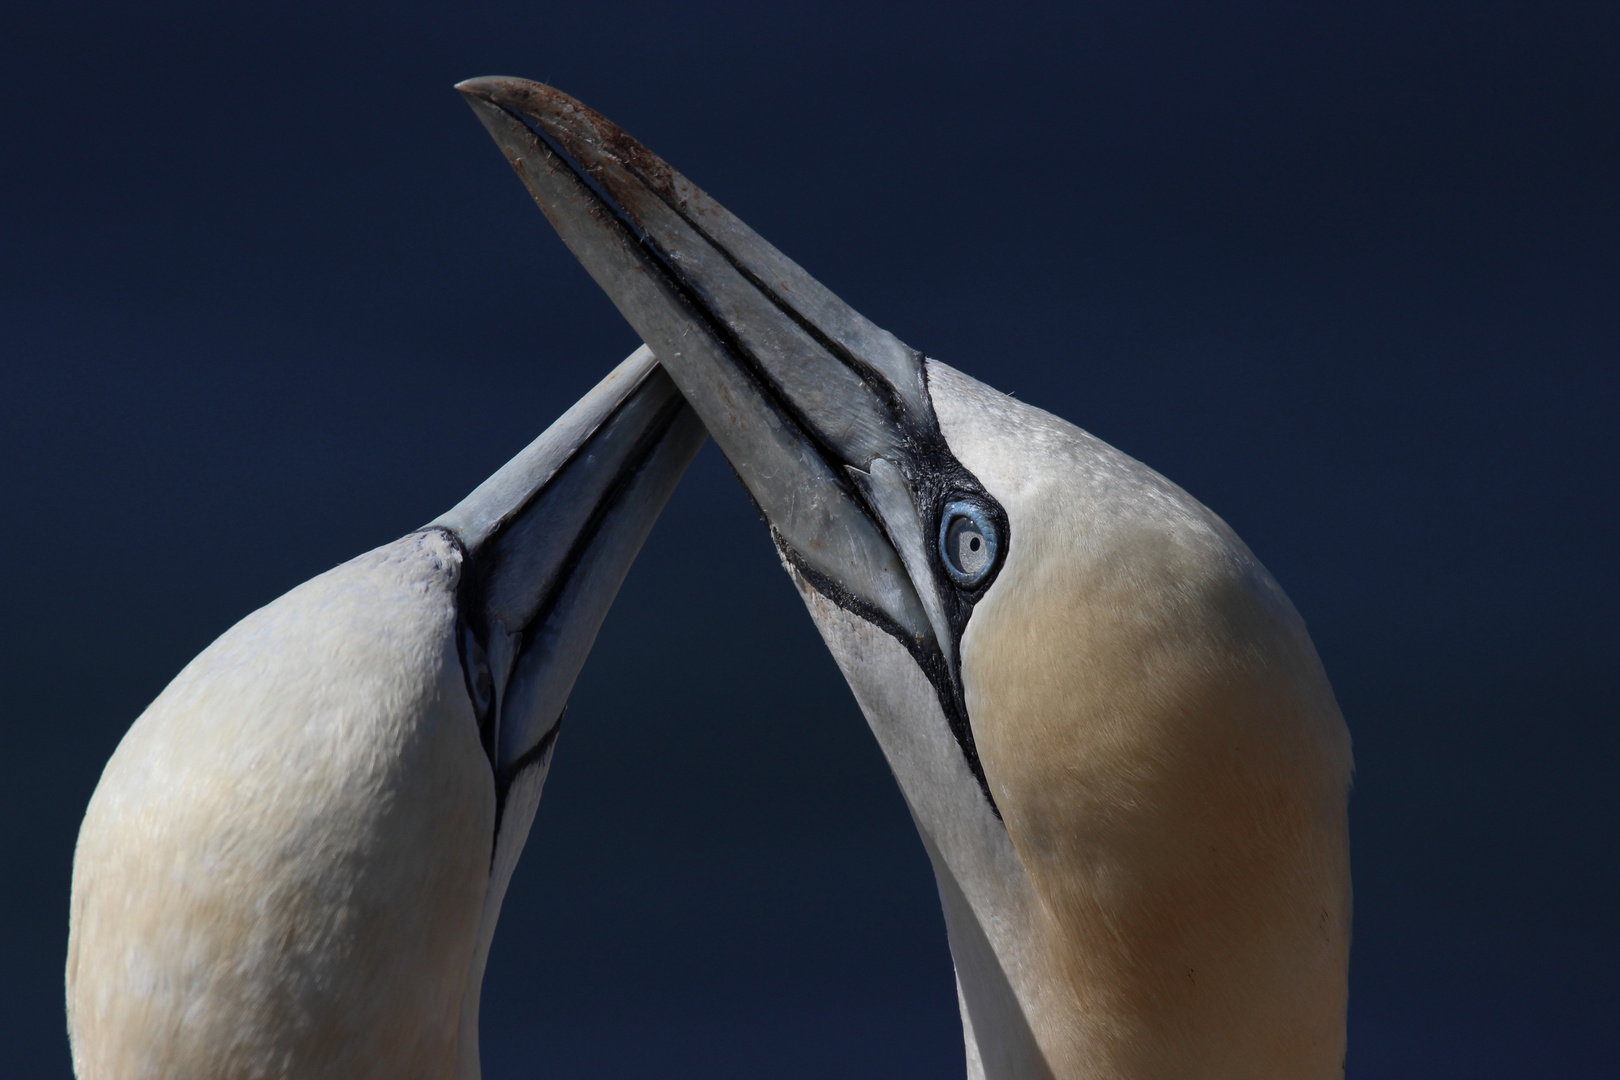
{"x": 270, "y": 298}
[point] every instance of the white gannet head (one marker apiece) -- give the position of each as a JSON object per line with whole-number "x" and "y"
{"x": 294, "y": 862}
{"x": 1109, "y": 723}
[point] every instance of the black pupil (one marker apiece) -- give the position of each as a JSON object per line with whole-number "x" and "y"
{"x": 967, "y": 547}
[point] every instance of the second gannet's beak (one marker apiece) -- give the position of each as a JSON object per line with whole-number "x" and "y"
{"x": 825, "y": 417}
{"x": 548, "y": 540}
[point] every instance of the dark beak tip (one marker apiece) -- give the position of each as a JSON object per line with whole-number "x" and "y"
{"x": 500, "y": 89}
{"x": 536, "y": 102}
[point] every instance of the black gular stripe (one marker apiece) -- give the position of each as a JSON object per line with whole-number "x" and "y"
{"x": 932, "y": 662}
{"x": 933, "y": 473}
{"x": 536, "y": 756}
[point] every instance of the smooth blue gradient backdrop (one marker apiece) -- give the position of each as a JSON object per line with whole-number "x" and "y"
{"x": 1348, "y": 273}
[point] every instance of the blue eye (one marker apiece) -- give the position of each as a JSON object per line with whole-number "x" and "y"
{"x": 967, "y": 543}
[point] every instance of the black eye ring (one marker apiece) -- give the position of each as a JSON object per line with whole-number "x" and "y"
{"x": 968, "y": 543}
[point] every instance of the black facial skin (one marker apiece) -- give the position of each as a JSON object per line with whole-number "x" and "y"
{"x": 936, "y": 479}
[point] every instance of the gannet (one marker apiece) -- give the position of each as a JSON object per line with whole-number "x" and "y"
{"x": 1111, "y": 728}
{"x": 293, "y": 863}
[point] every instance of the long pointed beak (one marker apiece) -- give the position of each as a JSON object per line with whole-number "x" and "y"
{"x": 812, "y": 404}
{"x": 825, "y": 417}
{"x": 549, "y": 539}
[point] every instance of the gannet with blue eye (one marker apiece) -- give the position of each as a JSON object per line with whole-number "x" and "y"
{"x": 1109, "y": 723}
{"x": 294, "y": 862}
